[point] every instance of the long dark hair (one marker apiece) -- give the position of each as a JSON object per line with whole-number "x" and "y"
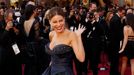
{"x": 29, "y": 10}
{"x": 130, "y": 20}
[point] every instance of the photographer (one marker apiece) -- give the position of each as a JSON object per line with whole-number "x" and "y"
{"x": 94, "y": 38}
{"x": 10, "y": 65}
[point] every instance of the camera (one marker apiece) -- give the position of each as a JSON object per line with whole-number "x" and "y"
{"x": 91, "y": 15}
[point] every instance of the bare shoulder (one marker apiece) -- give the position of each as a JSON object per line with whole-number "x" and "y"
{"x": 51, "y": 34}
{"x": 72, "y": 35}
{"x": 126, "y": 28}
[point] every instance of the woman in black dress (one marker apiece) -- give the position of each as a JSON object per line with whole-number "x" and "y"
{"x": 127, "y": 48}
{"x": 30, "y": 40}
{"x": 63, "y": 44}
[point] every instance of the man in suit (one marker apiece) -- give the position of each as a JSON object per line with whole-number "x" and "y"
{"x": 116, "y": 35}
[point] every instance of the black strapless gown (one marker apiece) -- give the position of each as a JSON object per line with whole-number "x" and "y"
{"x": 61, "y": 60}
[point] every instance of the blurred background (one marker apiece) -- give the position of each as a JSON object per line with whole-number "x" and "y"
{"x": 71, "y": 2}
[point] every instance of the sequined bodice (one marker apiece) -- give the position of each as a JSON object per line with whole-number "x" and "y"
{"x": 61, "y": 54}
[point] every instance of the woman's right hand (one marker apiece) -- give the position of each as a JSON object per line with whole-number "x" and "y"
{"x": 80, "y": 30}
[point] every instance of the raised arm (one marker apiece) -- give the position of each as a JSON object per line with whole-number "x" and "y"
{"x": 77, "y": 44}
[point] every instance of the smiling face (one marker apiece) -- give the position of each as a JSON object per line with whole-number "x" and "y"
{"x": 57, "y": 23}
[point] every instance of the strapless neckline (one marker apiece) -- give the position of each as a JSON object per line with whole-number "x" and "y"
{"x": 58, "y": 46}
{"x": 61, "y": 58}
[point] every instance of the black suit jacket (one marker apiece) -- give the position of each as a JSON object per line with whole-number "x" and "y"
{"x": 116, "y": 28}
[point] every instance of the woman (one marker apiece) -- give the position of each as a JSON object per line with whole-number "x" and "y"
{"x": 108, "y": 17}
{"x": 30, "y": 41}
{"x": 62, "y": 44}
{"x": 128, "y": 44}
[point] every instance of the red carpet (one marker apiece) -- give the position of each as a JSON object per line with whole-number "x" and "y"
{"x": 100, "y": 72}
{"x": 106, "y": 72}
{"x": 104, "y": 59}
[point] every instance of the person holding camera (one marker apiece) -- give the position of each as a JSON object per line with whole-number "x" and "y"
{"x": 8, "y": 40}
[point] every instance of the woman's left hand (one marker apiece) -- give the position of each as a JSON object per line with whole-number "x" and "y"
{"x": 80, "y": 30}
{"x": 121, "y": 50}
